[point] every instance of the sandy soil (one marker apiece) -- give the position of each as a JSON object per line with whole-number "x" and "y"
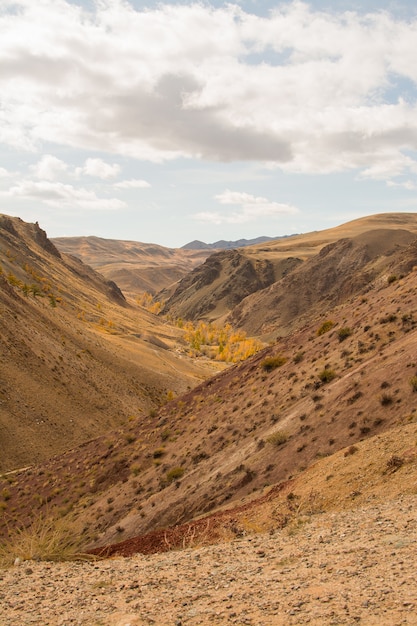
{"x": 352, "y": 567}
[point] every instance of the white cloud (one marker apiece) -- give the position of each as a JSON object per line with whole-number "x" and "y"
{"x": 407, "y": 184}
{"x": 251, "y": 208}
{"x": 100, "y": 169}
{"x": 49, "y": 167}
{"x": 305, "y": 90}
{"x": 60, "y": 195}
{"x": 132, "y": 184}
{"x": 4, "y": 173}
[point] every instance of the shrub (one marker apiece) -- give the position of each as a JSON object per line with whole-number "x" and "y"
{"x": 351, "y": 450}
{"x": 394, "y": 463}
{"x": 298, "y": 357}
{"x": 135, "y": 469}
{"x": 413, "y": 383}
{"x": 327, "y": 375}
{"x": 325, "y": 327}
{"x": 47, "y": 539}
{"x": 6, "y": 494}
{"x": 175, "y": 473}
{"x": 344, "y": 333}
{"x": 386, "y": 399}
{"x": 272, "y": 362}
{"x": 278, "y": 438}
{"x": 391, "y": 279}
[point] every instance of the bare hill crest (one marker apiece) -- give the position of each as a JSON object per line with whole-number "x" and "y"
{"x": 264, "y": 289}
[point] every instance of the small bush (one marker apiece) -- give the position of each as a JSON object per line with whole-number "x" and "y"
{"x": 386, "y": 399}
{"x": 325, "y": 327}
{"x": 6, "y": 494}
{"x": 278, "y": 438}
{"x": 175, "y": 473}
{"x": 351, "y": 450}
{"x": 298, "y": 357}
{"x": 391, "y": 279}
{"x": 344, "y": 333}
{"x": 47, "y": 539}
{"x": 135, "y": 469}
{"x": 413, "y": 383}
{"x": 327, "y": 375}
{"x": 394, "y": 463}
{"x": 272, "y": 362}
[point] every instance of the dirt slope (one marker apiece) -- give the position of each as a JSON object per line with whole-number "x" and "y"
{"x": 75, "y": 358}
{"x": 255, "y": 424}
{"x": 211, "y": 290}
{"x": 339, "y": 271}
{"x": 217, "y": 287}
{"x": 136, "y": 267}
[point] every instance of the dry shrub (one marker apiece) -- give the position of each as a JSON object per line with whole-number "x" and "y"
{"x": 47, "y": 539}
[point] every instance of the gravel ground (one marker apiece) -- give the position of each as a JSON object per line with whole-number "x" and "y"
{"x": 354, "y": 567}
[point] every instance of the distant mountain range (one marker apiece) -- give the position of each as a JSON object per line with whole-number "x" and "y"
{"x": 227, "y": 245}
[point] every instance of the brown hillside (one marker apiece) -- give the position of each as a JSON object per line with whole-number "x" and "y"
{"x": 136, "y": 267}
{"x": 347, "y": 377}
{"x": 340, "y": 270}
{"x": 75, "y": 358}
{"x": 215, "y": 288}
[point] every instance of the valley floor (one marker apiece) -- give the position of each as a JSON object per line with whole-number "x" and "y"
{"x": 351, "y": 567}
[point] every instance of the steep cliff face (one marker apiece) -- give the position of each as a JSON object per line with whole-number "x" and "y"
{"x": 219, "y": 284}
{"x": 339, "y": 271}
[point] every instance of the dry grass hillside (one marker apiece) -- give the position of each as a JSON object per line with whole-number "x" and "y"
{"x": 134, "y": 266}
{"x": 76, "y": 359}
{"x": 324, "y": 418}
{"x": 282, "y": 274}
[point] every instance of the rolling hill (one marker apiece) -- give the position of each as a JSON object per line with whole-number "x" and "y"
{"x": 323, "y": 418}
{"x": 265, "y": 288}
{"x": 76, "y": 359}
{"x": 135, "y": 267}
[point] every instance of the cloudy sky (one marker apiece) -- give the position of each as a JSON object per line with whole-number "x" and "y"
{"x": 168, "y": 122}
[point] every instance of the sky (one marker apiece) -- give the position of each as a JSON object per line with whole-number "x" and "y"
{"x": 167, "y": 122}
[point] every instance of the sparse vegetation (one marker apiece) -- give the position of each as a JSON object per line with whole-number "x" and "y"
{"x": 351, "y": 450}
{"x": 386, "y": 399}
{"x": 47, "y": 539}
{"x": 326, "y": 375}
{"x": 298, "y": 357}
{"x": 271, "y": 363}
{"x": 221, "y": 343}
{"x": 325, "y": 327}
{"x": 146, "y": 300}
{"x": 278, "y": 438}
{"x": 413, "y": 383}
{"x": 344, "y": 333}
{"x": 175, "y": 474}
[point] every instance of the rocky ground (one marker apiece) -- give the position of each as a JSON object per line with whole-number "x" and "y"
{"x": 350, "y": 567}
